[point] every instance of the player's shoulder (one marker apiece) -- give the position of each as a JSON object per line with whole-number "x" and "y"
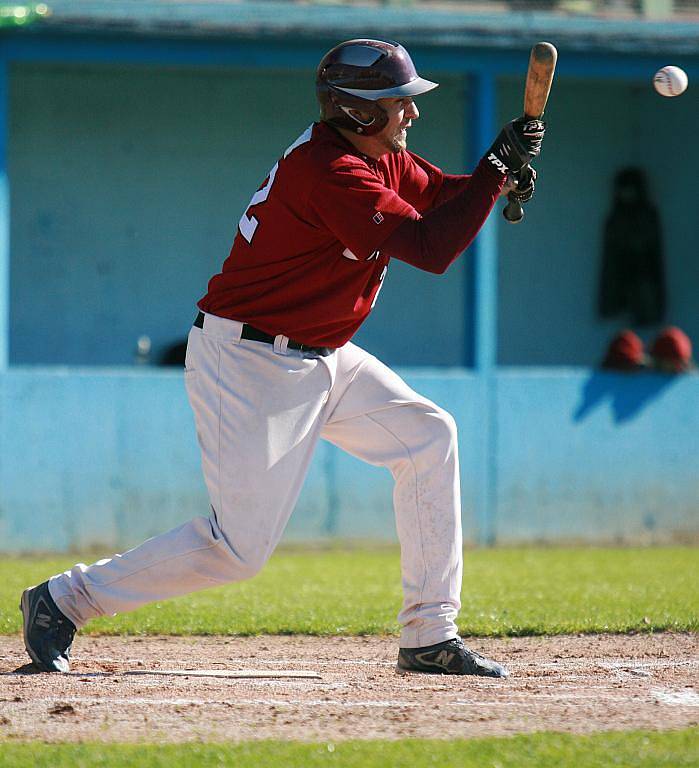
{"x": 330, "y": 151}
{"x": 416, "y": 164}
{"x": 404, "y": 162}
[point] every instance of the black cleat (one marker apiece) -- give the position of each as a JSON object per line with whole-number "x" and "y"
{"x": 48, "y": 633}
{"x": 451, "y": 657}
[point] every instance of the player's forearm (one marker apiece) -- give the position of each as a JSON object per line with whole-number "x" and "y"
{"x": 434, "y": 241}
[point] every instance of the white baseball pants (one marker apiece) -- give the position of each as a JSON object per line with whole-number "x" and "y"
{"x": 259, "y": 411}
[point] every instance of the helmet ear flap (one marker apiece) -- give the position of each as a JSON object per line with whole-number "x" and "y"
{"x": 338, "y": 106}
{"x": 362, "y": 124}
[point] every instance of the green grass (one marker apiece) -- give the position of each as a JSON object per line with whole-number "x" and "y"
{"x": 640, "y": 749}
{"x": 506, "y": 592}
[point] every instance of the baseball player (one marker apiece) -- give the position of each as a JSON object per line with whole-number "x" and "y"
{"x": 270, "y": 368}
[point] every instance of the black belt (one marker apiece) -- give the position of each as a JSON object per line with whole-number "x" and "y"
{"x": 254, "y": 334}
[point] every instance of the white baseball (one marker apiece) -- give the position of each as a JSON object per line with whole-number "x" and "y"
{"x": 670, "y": 81}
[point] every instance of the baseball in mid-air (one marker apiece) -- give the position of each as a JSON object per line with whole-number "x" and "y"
{"x": 670, "y": 81}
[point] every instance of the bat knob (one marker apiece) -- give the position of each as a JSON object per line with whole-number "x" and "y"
{"x": 513, "y": 211}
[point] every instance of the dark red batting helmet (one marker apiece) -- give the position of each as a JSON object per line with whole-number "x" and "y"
{"x": 355, "y": 74}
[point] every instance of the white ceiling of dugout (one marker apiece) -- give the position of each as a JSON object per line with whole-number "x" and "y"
{"x": 629, "y": 26}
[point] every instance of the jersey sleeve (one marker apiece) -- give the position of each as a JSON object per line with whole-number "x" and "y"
{"x": 420, "y": 181}
{"x": 452, "y": 185}
{"x": 425, "y": 186}
{"x": 355, "y": 205}
{"x": 434, "y": 241}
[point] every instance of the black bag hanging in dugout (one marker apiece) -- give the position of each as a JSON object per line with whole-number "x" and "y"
{"x": 632, "y": 278}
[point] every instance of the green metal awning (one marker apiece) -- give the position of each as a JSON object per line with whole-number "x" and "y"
{"x": 424, "y": 24}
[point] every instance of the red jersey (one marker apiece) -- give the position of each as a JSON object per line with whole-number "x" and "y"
{"x": 307, "y": 260}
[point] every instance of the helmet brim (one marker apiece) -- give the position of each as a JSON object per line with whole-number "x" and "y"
{"x": 413, "y": 88}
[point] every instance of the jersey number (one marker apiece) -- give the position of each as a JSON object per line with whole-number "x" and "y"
{"x": 248, "y": 224}
{"x": 378, "y": 290}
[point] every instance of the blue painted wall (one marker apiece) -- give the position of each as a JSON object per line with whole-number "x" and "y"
{"x": 596, "y": 456}
{"x": 108, "y": 457}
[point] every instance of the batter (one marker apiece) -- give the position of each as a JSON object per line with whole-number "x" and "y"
{"x": 270, "y": 368}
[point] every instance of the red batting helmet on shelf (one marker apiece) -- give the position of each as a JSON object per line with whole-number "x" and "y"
{"x": 672, "y": 350}
{"x": 354, "y": 75}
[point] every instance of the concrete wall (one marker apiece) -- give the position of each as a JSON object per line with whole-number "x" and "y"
{"x": 109, "y": 457}
{"x": 596, "y": 456}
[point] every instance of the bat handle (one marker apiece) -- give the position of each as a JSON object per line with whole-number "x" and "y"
{"x": 513, "y": 211}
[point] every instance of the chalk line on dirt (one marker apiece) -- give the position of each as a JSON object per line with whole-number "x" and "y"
{"x": 574, "y": 684}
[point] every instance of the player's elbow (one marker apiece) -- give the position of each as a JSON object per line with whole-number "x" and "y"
{"x": 438, "y": 265}
{"x": 439, "y": 268}
{"x": 435, "y": 258}
{"x": 432, "y": 262}
{"x": 435, "y": 266}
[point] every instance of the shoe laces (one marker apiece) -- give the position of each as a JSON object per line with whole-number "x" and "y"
{"x": 459, "y": 643}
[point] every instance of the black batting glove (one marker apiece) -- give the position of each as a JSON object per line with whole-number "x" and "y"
{"x": 524, "y": 182}
{"x": 517, "y": 144}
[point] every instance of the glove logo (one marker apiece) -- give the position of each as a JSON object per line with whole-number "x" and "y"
{"x": 497, "y": 162}
{"x": 378, "y": 218}
{"x": 534, "y": 126}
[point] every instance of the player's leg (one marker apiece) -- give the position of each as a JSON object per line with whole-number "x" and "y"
{"x": 380, "y": 419}
{"x": 374, "y": 415}
{"x": 257, "y": 418}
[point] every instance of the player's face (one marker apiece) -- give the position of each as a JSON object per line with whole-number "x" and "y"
{"x": 401, "y": 112}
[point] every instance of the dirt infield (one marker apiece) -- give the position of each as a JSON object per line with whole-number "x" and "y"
{"x": 576, "y": 684}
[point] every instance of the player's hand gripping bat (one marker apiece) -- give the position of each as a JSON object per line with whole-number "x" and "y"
{"x": 542, "y": 64}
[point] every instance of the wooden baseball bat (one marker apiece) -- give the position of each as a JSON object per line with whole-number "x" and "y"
{"x": 542, "y": 64}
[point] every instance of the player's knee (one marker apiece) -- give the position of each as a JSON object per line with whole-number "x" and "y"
{"x": 249, "y": 562}
{"x": 240, "y": 568}
{"x": 249, "y": 568}
{"x": 442, "y": 429}
{"x": 240, "y": 560}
